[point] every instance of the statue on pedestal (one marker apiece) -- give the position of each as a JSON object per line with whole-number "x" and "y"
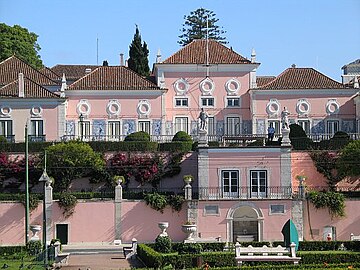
{"x": 203, "y": 116}
{"x": 285, "y": 118}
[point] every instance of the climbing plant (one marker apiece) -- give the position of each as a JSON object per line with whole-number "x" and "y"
{"x": 159, "y": 201}
{"x": 67, "y": 202}
{"x": 334, "y": 201}
{"x": 325, "y": 163}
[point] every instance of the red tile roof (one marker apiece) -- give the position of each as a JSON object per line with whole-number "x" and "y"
{"x": 113, "y": 78}
{"x": 51, "y": 74}
{"x": 31, "y": 90}
{"x": 11, "y": 67}
{"x": 195, "y": 53}
{"x": 261, "y": 80}
{"x": 301, "y": 78}
{"x": 73, "y": 72}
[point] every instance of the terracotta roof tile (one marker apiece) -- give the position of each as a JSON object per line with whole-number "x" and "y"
{"x": 301, "y": 78}
{"x": 195, "y": 53}
{"x": 262, "y": 80}
{"x": 73, "y": 72}
{"x": 31, "y": 90}
{"x": 11, "y": 67}
{"x": 113, "y": 78}
{"x": 51, "y": 74}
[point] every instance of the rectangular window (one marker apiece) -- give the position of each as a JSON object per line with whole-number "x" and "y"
{"x": 305, "y": 124}
{"x": 275, "y": 124}
{"x": 277, "y": 209}
{"x": 232, "y": 126}
{"x": 207, "y": 102}
{"x": 211, "y": 126}
{"x": 230, "y": 183}
{"x": 211, "y": 210}
{"x": 233, "y": 102}
{"x": 258, "y": 183}
{"x": 181, "y": 102}
{"x": 114, "y": 130}
{"x": 181, "y": 124}
{"x": 144, "y": 126}
{"x": 84, "y": 130}
{"x": 332, "y": 126}
{"x": 36, "y": 132}
{"x": 6, "y": 128}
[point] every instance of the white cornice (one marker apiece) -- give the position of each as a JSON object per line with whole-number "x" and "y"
{"x": 97, "y": 93}
{"x": 29, "y": 101}
{"x": 202, "y": 67}
{"x": 307, "y": 92}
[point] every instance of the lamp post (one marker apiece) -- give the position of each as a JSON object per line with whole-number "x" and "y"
{"x": 81, "y": 119}
{"x": 26, "y": 184}
{"x": 47, "y": 181}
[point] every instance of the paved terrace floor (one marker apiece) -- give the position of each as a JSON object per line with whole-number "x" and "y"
{"x": 98, "y": 258}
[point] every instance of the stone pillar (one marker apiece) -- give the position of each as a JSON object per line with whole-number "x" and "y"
{"x": 298, "y": 217}
{"x": 203, "y": 138}
{"x": 285, "y": 169}
{"x": 203, "y": 171}
{"x": 118, "y": 201}
{"x": 48, "y": 195}
{"x": 285, "y": 137}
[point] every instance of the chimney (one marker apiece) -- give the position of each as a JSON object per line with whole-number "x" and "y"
{"x": 88, "y": 70}
{"x": 253, "y": 56}
{"x": 121, "y": 59}
{"x": 21, "y": 85}
{"x": 158, "y": 56}
{"x": 293, "y": 66}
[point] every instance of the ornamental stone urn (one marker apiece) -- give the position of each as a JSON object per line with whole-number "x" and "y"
{"x": 189, "y": 230}
{"x": 163, "y": 226}
{"x": 35, "y": 229}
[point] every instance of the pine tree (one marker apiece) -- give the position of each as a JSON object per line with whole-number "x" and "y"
{"x": 195, "y": 27}
{"x": 138, "y": 55}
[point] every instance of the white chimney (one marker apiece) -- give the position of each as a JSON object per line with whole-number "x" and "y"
{"x": 121, "y": 59}
{"x": 21, "y": 85}
{"x": 253, "y": 56}
{"x": 158, "y": 56}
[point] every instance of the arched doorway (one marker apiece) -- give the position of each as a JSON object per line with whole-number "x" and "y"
{"x": 245, "y": 223}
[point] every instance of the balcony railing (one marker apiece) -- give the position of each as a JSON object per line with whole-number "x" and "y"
{"x": 37, "y": 138}
{"x": 236, "y": 193}
{"x": 9, "y": 138}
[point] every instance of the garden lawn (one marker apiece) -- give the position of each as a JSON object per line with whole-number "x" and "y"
{"x": 16, "y": 263}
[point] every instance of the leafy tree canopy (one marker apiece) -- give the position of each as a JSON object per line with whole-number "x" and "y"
{"x": 349, "y": 160}
{"x": 19, "y": 41}
{"x": 197, "y": 24}
{"x": 71, "y": 160}
{"x": 138, "y": 55}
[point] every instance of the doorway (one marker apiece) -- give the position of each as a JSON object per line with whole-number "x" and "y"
{"x": 62, "y": 233}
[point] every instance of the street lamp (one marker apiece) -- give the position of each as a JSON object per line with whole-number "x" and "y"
{"x": 47, "y": 181}
{"x": 81, "y": 119}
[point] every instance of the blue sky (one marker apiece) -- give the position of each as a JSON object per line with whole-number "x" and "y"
{"x": 324, "y": 34}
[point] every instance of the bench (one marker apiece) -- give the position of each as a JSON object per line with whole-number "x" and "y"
{"x": 354, "y": 237}
{"x": 265, "y": 254}
{"x": 130, "y": 252}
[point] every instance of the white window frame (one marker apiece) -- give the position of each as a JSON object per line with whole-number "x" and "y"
{"x": 332, "y": 131}
{"x": 181, "y": 99}
{"x": 182, "y": 125}
{"x": 236, "y": 128}
{"x": 231, "y": 193}
{"x": 211, "y": 125}
{"x": 84, "y": 130}
{"x": 4, "y": 127}
{"x": 205, "y": 213}
{"x": 258, "y": 193}
{"x": 271, "y": 213}
{"x": 202, "y": 98}
{"x": 114, "y": 126}
{"x": 232, "y": 98}
{"x": 34, "y": 129}
{"x": 301, "y": 123}
{"x": 144, "y": 123}
{"x": 276, "y": 124}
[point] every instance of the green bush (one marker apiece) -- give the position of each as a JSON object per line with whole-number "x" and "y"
{"x": 34, "y": 147}
{"x": 139, "y": 136}
{"x": 182, "y": 136}
{"x": 33, "y": 247}
{"x": 349, "y": 161}
{"x": 149, "y": 256}
{"x": 328, "y": 245}
{"x": 308, "y": 257}
{"x": 67, "y": 202}
{"x": 156, "y": 201}
{"x": 10, "y": 250}
{"x": 163, "y": 244}
{"x": 186, "y": 248}
{"x": 334, "y": 201}
{"x": 214, "y": 144}
{"x": 176, "y": 202}
{"x": 298, "y": 138}
{"x": 176, "y": 146}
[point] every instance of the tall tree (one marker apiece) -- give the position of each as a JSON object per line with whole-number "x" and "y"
{"x": 196, "y": 26}
{"x": 19, "y": 41}
{"x": 138, "y": 55}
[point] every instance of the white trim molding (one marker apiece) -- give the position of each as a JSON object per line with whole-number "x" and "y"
{"x": 332, "y": 106}
{"x": 113, "y": 108}
{"x": 144, "y": 108}
{"x": 303, "y": 107}
{"x": 5, "y": 111}
{"x": 273, "y": 107}
{"x": 228, "y": 87}
{"x": 181, "y": 86}
{"x": 36, "y": 111}
{"x": 207, "y": 86}
{"x": 83, "y": 107}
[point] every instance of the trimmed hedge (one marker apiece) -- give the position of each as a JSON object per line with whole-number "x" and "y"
{"x": 10, "y": 250}
{"x": 177, "y": 146}
{"x": 34, "y": 147}
{"x": 328, "y": 245}
{"x": 308, "y": 257}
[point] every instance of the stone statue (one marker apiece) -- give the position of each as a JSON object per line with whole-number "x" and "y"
{"x": 203, "y": 119}
{"x": 285, "y": 118}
